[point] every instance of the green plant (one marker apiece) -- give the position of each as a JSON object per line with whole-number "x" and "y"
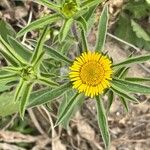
{"x": 132, "y": 25}
{"x": 49, "y": 65}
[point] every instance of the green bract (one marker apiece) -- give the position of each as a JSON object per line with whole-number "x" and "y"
{"x": 49, "y": 65}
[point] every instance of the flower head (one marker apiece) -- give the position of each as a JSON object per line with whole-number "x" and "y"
{"x": 91, "y": 73}
{"x": 69, "y": 8}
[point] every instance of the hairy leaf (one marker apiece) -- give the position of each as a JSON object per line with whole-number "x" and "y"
{"x": 130, "y": 86}
{"x": 102, "y": 122}
{"x": 133, "y": 60}
{"x": 48, "y": 19}
{"x": 139, "y": 31}
{"x": 102, "y": 30}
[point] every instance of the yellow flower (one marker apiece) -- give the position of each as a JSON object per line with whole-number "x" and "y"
{"x": 91, "y": 73}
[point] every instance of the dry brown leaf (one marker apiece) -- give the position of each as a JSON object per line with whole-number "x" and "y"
{"x": 6, "y": 146}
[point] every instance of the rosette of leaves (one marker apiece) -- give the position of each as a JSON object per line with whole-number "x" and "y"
{"x": 69, "y": 11}
{"x": 24, "y": 68}
{"x": 132, "y": 25}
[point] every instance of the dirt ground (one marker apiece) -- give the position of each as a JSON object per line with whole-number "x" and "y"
{"x": 129, "y": 131}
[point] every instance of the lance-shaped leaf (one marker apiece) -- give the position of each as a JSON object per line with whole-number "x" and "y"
{"x": 90, "y": 3}
{"x": 10, "y": 54}
{"x": 9, "y": 59}
{"x": 56, "y": 55}
{"x": 81, "y": 12}
{"x": 6, "y": 29}
{"x": 88, "y": 16}
{"x": 48, "y": 19}
{"x": 131, "y": 87}
{"x": 24, "y": 52}
{"x": 8, "y": 77}
{"x": 125, "y": 103}
{"x": 139, "y": 31}
{"x": 19, "y": 90}
{"x": 65, "y": 29}
{"x": 66, "y": 46}
{"x": 110, "y": 100}
{"x": 11, "y": 69}
{"x": 63, "y": 105}
{"x": 123, "y": 93}
{"x": 102, "y": 122}
{"x": 24, "y": 97}
{"x": 67, "y": 109}
{"x": 133, "y": 60}
{"x": 39, "y": 47}
{"x": 47, "y": 96}
{"x": 83, "y": 24}
{"x": 48, "y": 4}
{"x": 137, "y": 79}
{"x": 47, "y": 81}
{"x": 102, "y": 30}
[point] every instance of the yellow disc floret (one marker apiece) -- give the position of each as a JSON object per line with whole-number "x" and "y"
{"x": 91, "y": 73}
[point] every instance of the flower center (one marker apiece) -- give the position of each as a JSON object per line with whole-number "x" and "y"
{"x": 27, "y": 73}
{"x": 92, "y": 73}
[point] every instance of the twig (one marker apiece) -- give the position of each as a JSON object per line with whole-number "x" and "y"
{"x": 120, "y": 40}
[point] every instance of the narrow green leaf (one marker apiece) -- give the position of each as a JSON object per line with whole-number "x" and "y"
{"x": 6, "y": 29}
{"x": 139, "y": 31}
{"x": 48, "y": 4}
{"x": 90, "y": 14}
{"x": 102, "y": 30}
{"x": 90, "y": 3}
{"x": 66, "y": 46}
{"x": 133, "y": 60}
{"x": 24, "y": 98}
{"x": 125, "y": 103}
{"x": 83, "y": 25}
{"x": 137, "y": 79}
{"x": 21, "y": 50}
{"x": 67, "y": 109}
{"x": 63, "y": 105}
{"x": 8, "y": 77}
{"x": 9, "y": 59}
{"x": 19, "y": 90}
{"x": 48, "y": 19}
{"x": 12, "y": 69}
{"x": 84, "y": 41}
{"x": 81, "y": 12}
{"x": 102, "y": 122}
{"x": 9, "y": 53}
{"x": 57, "y": 55}
{"x": 82, "y": 22}
{"x": 131, "y": 87}
{"x": 47, "y": 81}
{"x": 48, "y": 96}
{"x": 7, "y": 84}
{"x": 110, "y": 100}
{"x": 124, "y": 73}
{"x": 123, "y": 94}
{"x": 65, "y": 29}
{"x": 39, "y": 47}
